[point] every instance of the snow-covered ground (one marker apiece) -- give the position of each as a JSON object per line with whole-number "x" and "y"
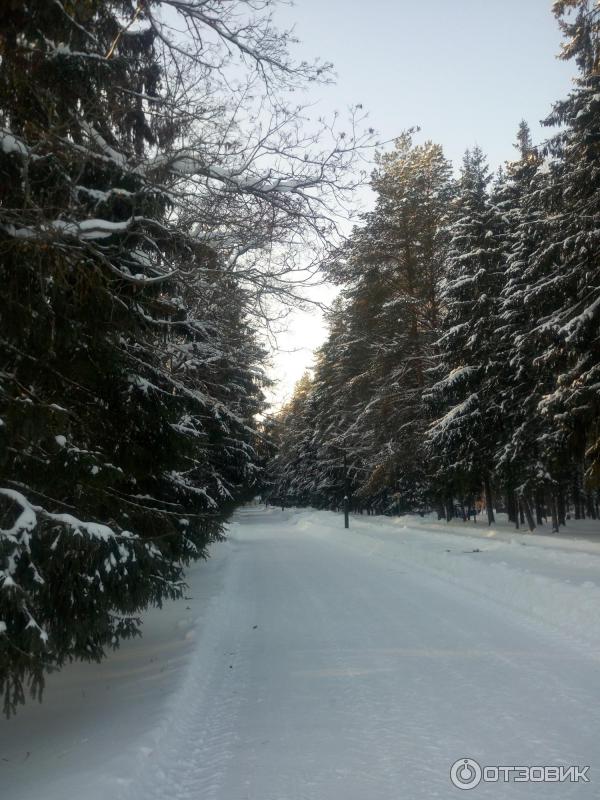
{"x": 313, "y": 663}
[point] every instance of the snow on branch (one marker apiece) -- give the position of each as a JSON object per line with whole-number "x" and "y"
{"x": 459, "y": 413}
{"x": 27, "y": 520}
{"x": 9, "y": 143}
{"x": 85, "y": 229}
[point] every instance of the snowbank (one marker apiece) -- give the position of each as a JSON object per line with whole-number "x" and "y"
{"x": 546, "y": 578}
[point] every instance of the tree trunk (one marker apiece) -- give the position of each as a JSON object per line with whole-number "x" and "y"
{"x": 449, "y": 509}
{"x": 470, "y": 507}
{"x": 576, "y": 497}
{"x": 553, "y": 504}
{"x": 489, "y": 503}
{"x": 510, "y": 505}
{"x": 583, "y": 509}
{"x": 589, "y": 501}
{"x": 539, "y": 507}
{"x": 526, "y": 509}
{"x": 560, "y": 507}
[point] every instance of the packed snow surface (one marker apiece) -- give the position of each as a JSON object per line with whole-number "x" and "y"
{"x": 308, "y": 662}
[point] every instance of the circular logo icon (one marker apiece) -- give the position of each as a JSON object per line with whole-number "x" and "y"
{"x": 465, "y": 773}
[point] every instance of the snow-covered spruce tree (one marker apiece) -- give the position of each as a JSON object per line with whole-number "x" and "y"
{"x": 566, "y": 271}
{"x": 133, "y": 191}
{"x": 364, "y": 402}
{"x": 113, "y": 400}
{"x": 342, "y": 388}
{"x": 316, "y": 432}
{"x": 392, "y": 270}
{"x": 291, "y": 471}
{"x": 462, "y": 440}
{"x": 529, "y": 456}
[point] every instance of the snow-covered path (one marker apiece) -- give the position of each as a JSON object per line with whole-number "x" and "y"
{"x": 314, "y": 663}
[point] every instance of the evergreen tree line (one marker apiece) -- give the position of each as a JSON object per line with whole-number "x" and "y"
{"x": 462, "y": 364}
{"x": 149, "y": 166}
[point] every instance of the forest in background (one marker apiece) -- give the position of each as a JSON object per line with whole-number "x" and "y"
{"x": 462, "y": 364}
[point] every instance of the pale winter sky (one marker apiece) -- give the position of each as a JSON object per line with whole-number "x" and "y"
{"x": 465, "y": 71}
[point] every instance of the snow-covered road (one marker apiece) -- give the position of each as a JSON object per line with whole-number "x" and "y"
{"x": 313, "y": 663}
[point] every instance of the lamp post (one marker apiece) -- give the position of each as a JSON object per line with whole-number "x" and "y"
{"x": 346, "y": 494}
{"x": 346, "y": 485}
